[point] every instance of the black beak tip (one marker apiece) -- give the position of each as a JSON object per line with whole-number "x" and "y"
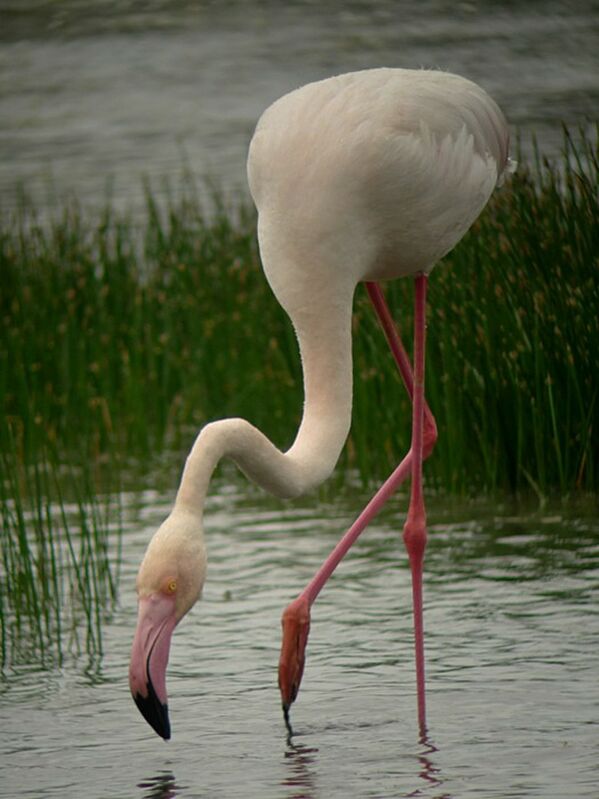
{"x": 154, "y": 712}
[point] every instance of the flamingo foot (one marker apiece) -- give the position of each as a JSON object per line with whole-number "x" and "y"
{"x": 296, "y": 626}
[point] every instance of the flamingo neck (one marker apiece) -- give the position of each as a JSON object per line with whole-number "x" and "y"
{"x": 325, "y": 346}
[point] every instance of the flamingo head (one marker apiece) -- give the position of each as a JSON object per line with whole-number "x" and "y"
{"x": 169, "y": 582}
{"x": 296, "y": 626}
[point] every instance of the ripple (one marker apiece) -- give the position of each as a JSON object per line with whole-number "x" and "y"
{"x": 512, "y": 631}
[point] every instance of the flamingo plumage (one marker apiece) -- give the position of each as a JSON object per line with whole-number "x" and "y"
{"x": 360, "y": 178}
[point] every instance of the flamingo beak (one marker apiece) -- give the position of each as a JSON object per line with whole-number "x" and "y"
{"x": 296, "y": 626}
{"x": 156, "y": 621}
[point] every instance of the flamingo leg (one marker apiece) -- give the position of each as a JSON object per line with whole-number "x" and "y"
{"x": 414, "y": 533}
{"x": 403, "y": 362}
{"x": 424, "y": 436}
{"x": 296, "y": 617}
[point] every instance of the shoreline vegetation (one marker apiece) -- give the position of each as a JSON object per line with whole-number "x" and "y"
{"x": 121, "y": 338}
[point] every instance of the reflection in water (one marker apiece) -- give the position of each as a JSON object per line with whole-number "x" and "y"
{"x": 428, "y": 771}
{"x": 300, "y": 761}
{"x": 162, "y": 786}
{"x": 302, "y": 764}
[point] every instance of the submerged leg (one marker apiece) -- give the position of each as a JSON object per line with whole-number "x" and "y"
{"x": 296, "y": 618}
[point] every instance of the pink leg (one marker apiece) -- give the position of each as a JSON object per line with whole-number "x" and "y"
{"x": 397, "y": 348}
{"x": 414, "y": 533}
{"x": 403, "y": 362}
{"x": 424, "y": 436}
{"x": 296, "y": 618}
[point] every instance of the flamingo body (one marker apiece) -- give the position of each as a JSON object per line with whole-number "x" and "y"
{"x": 366, "y": 176}
{"x": 371, "y": 175}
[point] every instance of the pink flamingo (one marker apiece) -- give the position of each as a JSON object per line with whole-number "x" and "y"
{"x": 363, "y": 177}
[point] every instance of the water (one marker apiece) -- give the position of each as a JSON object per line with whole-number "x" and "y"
{"x": 94, "y": 94}
{"x": 512, "y": 644}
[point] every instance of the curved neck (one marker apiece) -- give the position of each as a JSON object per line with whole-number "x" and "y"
{"x": 324, "y": 336}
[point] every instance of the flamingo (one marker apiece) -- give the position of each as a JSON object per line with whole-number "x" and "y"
{"x": 360, "y": 178}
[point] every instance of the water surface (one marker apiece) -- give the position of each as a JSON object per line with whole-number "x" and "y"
{"x": 96, "y": 94}
{"x": 512, "y": 644}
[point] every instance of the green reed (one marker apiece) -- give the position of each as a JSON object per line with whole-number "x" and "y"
{"x": 125, "y": 336}
{"x": 58, "y": 554}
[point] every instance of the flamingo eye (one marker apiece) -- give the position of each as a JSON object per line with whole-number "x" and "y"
{"x": 171, "y": 586}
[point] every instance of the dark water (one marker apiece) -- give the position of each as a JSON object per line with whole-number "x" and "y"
{"x": 512, "y": 644}
{"x": 96, "y": 93}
